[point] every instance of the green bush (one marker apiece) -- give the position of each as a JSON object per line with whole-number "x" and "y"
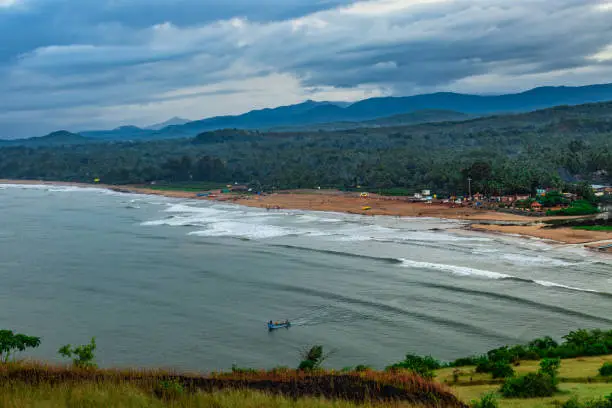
{"x": 532, "y": 385}
{"x": 605, "y": 402}
{"x": 580, "y": 207}
{"x": 423, "y": 366}
{"x": 312, "y": 358}
{"x": 82, "y": 356}
{"x": 543, "y": 343}
{"x": 606, "y": 370}
{"x": 465, "y": 361}
{"x": 484, "y": 365}
{"x": 487, "y": 401}
{"x": 362, "y": 367}
{"x": 169, "y": 389}
{"x": 242, "y": 370}
{"x": 550, "y": 366}
{"x": 502, "y": 369}
{"x": 10, "y": 343}
{"x": 307, "y": 365}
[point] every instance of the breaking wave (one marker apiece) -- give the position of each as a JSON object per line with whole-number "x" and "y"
{"x": 466, "y": 271}
{"x": 457, "y": 270}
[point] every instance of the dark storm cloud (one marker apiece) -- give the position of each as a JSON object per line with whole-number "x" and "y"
{"x": 59, "y": 57}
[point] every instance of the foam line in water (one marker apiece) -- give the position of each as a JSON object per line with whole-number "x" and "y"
{"x": 338, "y": 253}
{"x": 241, "y": 230}
{"x": 558, "y": 285}
{"x": 455, "y": 269}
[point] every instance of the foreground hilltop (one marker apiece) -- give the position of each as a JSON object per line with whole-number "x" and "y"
{"x": 541, "y": 373}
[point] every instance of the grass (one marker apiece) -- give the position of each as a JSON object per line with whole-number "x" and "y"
{"x": 606, "y": 228}
{"x": 579, "y": 377}
{"x": 30, "y": 379}
{"x": 31, "y": 384}
{"x": 129, "y": 396}
{"x": 575, "y": 369}
{"x": 568, "y": 390}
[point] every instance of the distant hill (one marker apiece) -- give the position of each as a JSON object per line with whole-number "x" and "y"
{"x": 58, "y": 138}
{"x": 404, "y": 119}
{"x": 308, "y": 113}
{"x": 120, "y": 133}
{"x": 170, "y": 122}
{"x": 311, "y": 112}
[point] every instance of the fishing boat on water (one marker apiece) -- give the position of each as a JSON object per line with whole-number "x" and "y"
{"x": 278, "y": 325}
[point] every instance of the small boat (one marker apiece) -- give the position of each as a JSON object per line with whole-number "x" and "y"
{"x": 278, "y": 325}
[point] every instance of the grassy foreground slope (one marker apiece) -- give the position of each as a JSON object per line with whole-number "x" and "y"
{"x": 33, "y": 384}
{"x": 130, "y": 396}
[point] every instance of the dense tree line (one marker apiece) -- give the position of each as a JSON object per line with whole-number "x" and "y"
{"x": 505, "y": 154}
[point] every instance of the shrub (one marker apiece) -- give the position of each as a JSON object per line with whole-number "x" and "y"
{"x": 10, "y": 343}
{"x": 312, "y": 358}
{"x": 605, "y": 402}
{"x": 465, "y": 361}
{"x": 169, "y": 389}
{"x": 606, "y": 370}
{"x": 579, "y": 207}
{"x": 422, "y": 366}
{"x": 550, "y": 366}
{"x": 487, "y": 401}
{"x": 532, "y": 385}
{"x": 484, "y": 365}
{"x": 502, "y": 369}
{"x": 307, "y": 365}
{"x": 362, "y": 367}
{"x": 82, "y": 356}
{"x": 543, "y": 343}
{"x": 242, "y": 370}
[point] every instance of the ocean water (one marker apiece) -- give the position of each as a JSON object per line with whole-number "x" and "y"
{"x": 190, "y": 284}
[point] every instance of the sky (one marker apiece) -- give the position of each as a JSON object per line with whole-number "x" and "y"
{"x": 99, "y": 64}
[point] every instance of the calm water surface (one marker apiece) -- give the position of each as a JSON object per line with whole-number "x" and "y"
{"x": 190, "y": 285}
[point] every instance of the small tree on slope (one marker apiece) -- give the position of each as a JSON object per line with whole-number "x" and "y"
{"x": 10, "y": 343}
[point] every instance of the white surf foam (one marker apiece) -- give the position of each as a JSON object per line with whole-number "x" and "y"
{"x": 466, "y": 271}
{"x": 241, "y": 230}
{"x": 558, "y": 285}
{"x": 527, "y": 260}
{"x": 455, "y": 269}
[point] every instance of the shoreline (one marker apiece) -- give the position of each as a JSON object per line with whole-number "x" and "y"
{"x": 484, "y": 221}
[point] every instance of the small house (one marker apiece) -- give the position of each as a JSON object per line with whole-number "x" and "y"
{"x": 536, "y": 206}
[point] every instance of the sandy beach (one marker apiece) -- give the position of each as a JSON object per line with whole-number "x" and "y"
{"x": 352, "y": 203}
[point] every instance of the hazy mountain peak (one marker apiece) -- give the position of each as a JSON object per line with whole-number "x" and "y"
{"x": 170, "y": 122}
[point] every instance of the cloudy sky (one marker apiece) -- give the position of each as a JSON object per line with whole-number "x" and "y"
{"x": 87, "y": 64}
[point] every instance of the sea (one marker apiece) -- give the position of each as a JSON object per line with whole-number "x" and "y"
{"x": 190, "y": 284}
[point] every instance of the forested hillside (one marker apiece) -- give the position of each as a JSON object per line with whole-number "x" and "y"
{"x": 514, "y": 153}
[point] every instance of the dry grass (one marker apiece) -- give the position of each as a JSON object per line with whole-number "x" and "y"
{"x": 83, "y": 395}
{"x": 37, "y": 383}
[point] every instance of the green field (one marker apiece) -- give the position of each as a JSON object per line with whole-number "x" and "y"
{"x": 579, "y": 377}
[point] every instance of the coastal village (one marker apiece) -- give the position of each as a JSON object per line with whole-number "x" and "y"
{"x": 569, "y": 217}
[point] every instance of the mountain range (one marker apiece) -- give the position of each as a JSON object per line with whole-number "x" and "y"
{"x": 374, "y": 112}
